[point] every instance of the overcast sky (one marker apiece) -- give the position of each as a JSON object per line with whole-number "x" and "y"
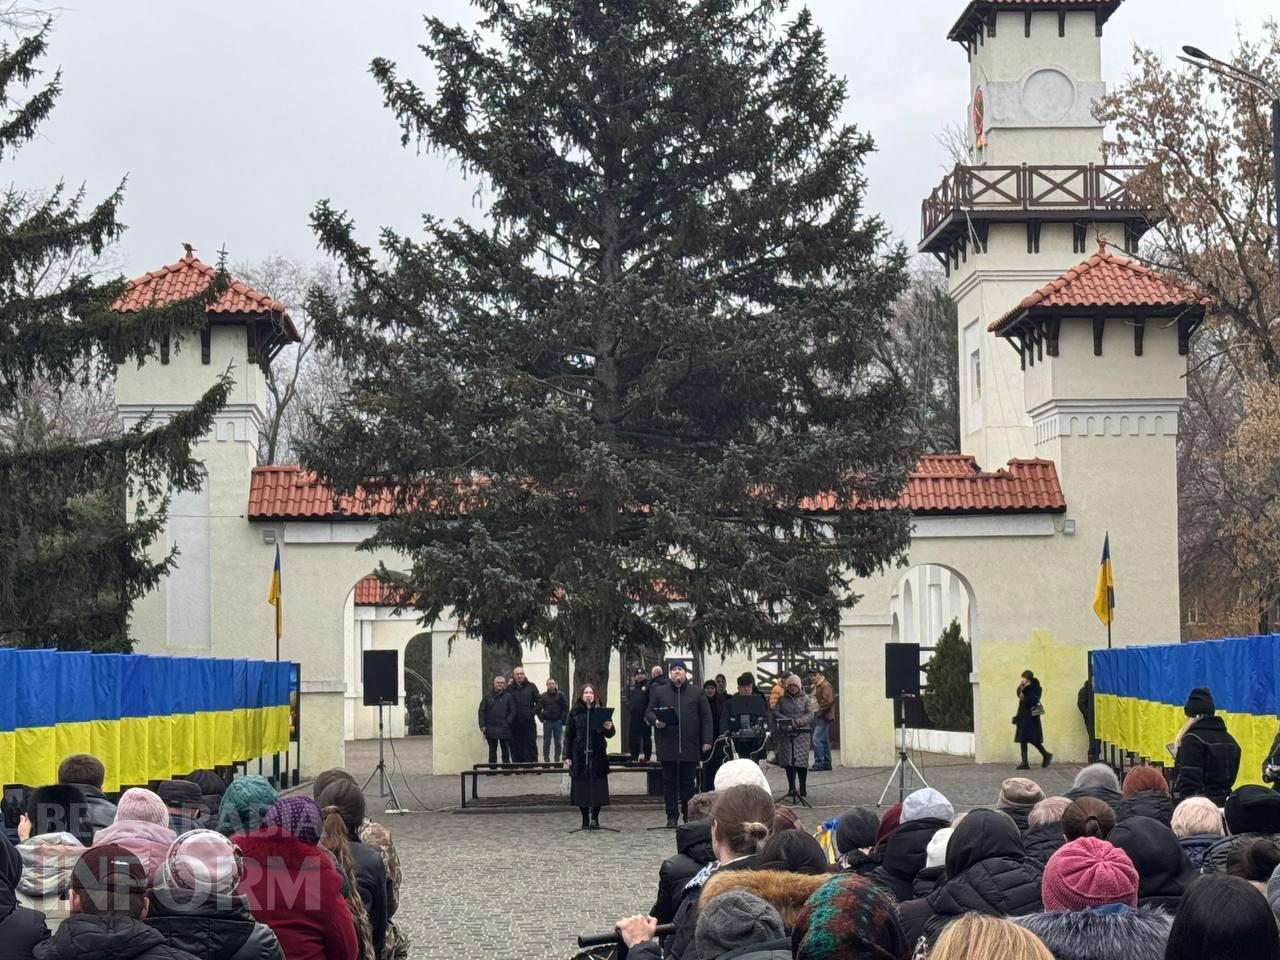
{"x": 232, "y": 119}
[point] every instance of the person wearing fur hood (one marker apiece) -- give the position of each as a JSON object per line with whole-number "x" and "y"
{"x": 1090, "y": 896}
{"x": 785, "y": 892}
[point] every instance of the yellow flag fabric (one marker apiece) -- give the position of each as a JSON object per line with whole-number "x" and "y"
{"x": 1104, "y": 595}
{"x": 274, "y": 597}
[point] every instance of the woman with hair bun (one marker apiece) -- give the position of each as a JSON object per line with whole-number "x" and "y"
{"x": 1088, "y": 817}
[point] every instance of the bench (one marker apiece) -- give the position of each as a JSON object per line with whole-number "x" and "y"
{"x": 479, "y": 770}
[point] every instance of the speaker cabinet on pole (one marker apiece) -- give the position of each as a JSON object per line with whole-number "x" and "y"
{"x": 901, "y": 670}
{"x": 381, "y": 676}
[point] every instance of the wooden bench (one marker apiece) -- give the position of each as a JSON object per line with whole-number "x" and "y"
{"x": 537, "y": 769}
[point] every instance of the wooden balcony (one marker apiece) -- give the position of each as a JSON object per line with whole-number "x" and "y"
{"x": 959, "y": 210}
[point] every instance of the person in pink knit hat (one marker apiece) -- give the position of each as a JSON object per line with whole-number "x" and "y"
{"x": 1090, "y": 895}
{"x": 141, "y": 827}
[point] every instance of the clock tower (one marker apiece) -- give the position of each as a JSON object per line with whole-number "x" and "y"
{"x": 1033, "y": 197}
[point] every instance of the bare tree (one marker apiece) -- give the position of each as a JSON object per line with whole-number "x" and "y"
{"x": 920, "y": 354}
{"x": 303, "y": 381}
{"x": 954, "y": 139}
{"x": 1209, "y": 180}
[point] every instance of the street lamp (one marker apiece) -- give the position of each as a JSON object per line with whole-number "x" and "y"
{"x": 1229, "y": 71}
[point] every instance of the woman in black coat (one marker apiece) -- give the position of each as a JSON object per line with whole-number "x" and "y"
{"x": 20, "y": 928}
{"x": 1027, "y": 720}
{"x": 587, "y": 756}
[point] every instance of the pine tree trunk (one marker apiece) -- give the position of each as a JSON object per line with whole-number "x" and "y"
{"x": 592, "y": 647}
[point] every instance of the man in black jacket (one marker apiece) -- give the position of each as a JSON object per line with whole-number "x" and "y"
{"x": 639, "y": 734}
{"x": 681, "y": 717}
{"x": 1208, "y": 757}
{"x": 524, "y": 729}
{"x": 108, "y": 906}
{"x": 1084, "y": 703}
{"x": 552, "y": 709}
{"x": 85, "y": 772}
{"x": 497, "y": 713}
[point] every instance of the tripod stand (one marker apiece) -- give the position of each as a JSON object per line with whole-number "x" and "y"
{"x": 385, "y": 787}
{"x": 900, "y": 769}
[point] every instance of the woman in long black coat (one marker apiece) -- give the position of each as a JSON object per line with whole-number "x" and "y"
{"x": 1027, "y": 720}
{"x": 586, "y": 754}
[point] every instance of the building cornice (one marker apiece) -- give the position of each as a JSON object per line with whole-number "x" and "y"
{"x": 239, "y": 422}
{"x": 1149, "y": 417}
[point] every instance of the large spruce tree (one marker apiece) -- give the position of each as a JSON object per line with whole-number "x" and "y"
{"x": 71, "y": 562}
{"x": 607, "y": 412}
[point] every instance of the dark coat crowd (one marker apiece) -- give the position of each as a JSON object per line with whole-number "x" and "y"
{"x": 1111, "y": 871}
{"x": 201, "y": 868}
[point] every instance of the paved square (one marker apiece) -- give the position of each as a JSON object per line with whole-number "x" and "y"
{"x": 495, "y": 885}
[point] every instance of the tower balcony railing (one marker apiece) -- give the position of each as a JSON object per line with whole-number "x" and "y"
{"x": 1047, "y": 191}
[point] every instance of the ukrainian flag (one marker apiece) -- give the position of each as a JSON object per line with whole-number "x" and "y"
{"x": 1104, "y": 596}
{"x": 274, "y": 598}
{"x": 146, "y": 718}
{"x": 1139, "y": 693}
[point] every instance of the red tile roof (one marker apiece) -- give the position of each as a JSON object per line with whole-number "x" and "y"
{"x": 945, "y": 484}
{"x": 1104, "y": 280}
{"x": 372, "y": 592}
{"x": 291, "y": 493}
{"x": 188, "y": 278}
{"x": 977, "y": 11}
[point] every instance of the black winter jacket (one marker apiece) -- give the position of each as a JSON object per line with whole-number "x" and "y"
{"x": 1146, "y": 803}
{"x": 683, "y": 739}
{"x": 1207, "y": 763}
{"x": 989, "y": 873}
{"x": 209, "y": 930}
{"x": 638, "y": 701}
{"x": 552, "y": 706}
{"x": 1041, "y": 843}
{"x": 20, "y": 927}
{"x": 1107, "y": 934}
{"x": 1196, "y": 846}
{"x": 1108, "y": 796}
{"x": 693, "y": 846}
{"x": 525, "y": 696}
{"x": 1018, "y": 815}
{"x": 1164, "y": 873}
{"x": 85, "y": 937}
{"x": 679, "y": 945}
{"x": 905, "y": 854}
{"x": 102, "y": 812}
{"x": 1027, "y": 726}
{"x": 497, "y": 714}
{"x": 371, "y": 878}
{"x": 1214, "y": 858}
{"x": 578, "y": 738}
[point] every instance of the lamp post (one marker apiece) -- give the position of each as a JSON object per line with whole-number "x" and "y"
{"x": 1229, "y": 71}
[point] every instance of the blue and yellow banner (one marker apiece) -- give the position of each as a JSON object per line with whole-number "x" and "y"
{"x": 147, "y": 718}
{"x": 1140, "y": 691}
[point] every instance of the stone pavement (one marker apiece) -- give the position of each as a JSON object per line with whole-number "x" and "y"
{"x": 496, "y": 885}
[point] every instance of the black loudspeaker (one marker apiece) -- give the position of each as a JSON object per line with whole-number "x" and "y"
{"x": 381, "y": 676}
{"x": 901, "y": 670}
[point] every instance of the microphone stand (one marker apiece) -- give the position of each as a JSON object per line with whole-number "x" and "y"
{"x": 590, "y": 707}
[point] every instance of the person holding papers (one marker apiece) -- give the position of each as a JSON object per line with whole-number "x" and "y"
{"x": 586, "y": 755}
{"x": 682, "y": 718}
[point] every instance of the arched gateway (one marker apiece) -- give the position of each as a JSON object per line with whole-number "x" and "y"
{"x": 1071, "y": 392}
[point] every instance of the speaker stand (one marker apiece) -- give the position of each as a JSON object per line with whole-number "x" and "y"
{"x": 385, "y": 787}
{"x": 904, "y": 763}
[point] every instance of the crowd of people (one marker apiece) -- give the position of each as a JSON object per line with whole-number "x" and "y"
{"x": 201, "y": 867}
{"x": 1110, "y": 871}
{"x": 687, "y": 728}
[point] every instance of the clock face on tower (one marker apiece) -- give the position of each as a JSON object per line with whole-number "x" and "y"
{"x": 979, "y": 120}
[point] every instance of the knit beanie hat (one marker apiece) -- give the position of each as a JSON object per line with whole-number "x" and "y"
{"x": 297, "y": 816}
{"x": 1200, "y": 703}
{"x": 936, "y": 852}
{"x": 890, "y": 820}
{"x": 856, "y": 830}
{"x": 927, "y": 804}
{"x": 735, "y": 919}
{"x": 1019, "y": 792}
{"x": 849, "y": 918}
{"x": 1143, "y": 778}
{"x": 737, "y": 772}
{"x": 138, "y": 803}
{"x": 1088, "y": 873}
{"x": 244, "y": 803}
{"x": 1253, "y": 809}
{"x": 201, "y": 862}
